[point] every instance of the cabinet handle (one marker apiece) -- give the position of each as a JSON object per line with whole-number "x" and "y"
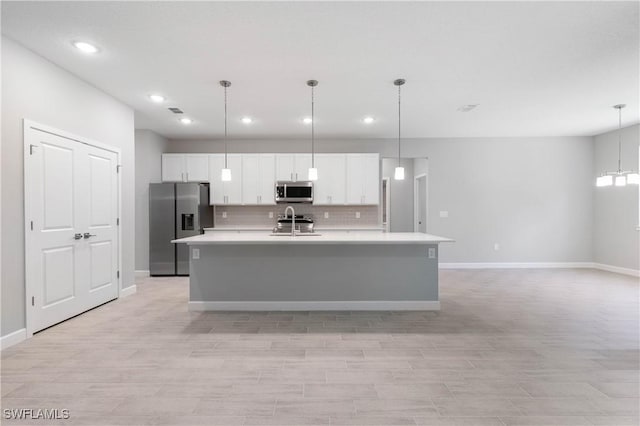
{"x": 291, "y": 176}
{"x": 187, "y": 176}
{"x": 296, "y": 176}
{"x": 182, "y": 176}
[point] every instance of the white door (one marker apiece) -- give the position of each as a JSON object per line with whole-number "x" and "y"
{"x": 330, "y": 186}
{"x": 216, "y": 187}
{"x": 301, "y": 167}
{"x": 173, "y": 168}
{"x": 371, "y": 182}
{"x": 250, "y": 178}
{"x": 266, "y": 183}
{"x": 71, "y": 251}
{"x": 285, "y": 166}
{"x": 197, "y": 167}
{"x": 420, "y": 206}
{"x": 225, "y": 192}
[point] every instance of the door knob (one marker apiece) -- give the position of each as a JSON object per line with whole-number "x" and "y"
{"x": 88, "y": 235}
{"x": 77, "y": 236}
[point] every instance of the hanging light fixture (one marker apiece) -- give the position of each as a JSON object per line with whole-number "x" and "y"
{"x": 226, "y": 172}
{"x": 399, "y": 172}
{"x": 620, "y": 177}
{"x": 313, "y": 172}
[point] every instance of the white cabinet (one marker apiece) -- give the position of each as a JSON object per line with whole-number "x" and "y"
{"x": 329, "y": 189}
{"x": 185, "y": 167}
{"x": 292, "y": 166}
{"x": 225, "y": 192}
{"x": 363, "y": 179}
{"x": 258, "y": 178}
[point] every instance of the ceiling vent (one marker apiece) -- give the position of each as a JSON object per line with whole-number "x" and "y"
{"x": 467, "y": 108}
{"x": 176, "y": 110}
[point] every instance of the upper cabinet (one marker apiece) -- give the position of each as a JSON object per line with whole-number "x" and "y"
{"x": 225, "y": 192}
{"x": 363, "y": 179}
{"x": 258, "y": 179}
{"x": 185, "y": 167}
{"x": 329, "y": 189}
{"x": 292, "y": 166}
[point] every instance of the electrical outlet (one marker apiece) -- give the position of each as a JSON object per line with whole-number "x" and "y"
{"x": 444, "y": 213}
{"x": 270, "y": 215}
{"x": 196, "y": 253}
{"x": 326, "y": 215}
{"x": 357, "y": 215}
{"x": 432, "y": 253}
{"x": 496, "y": 246}
{"x": 224, "y": 215}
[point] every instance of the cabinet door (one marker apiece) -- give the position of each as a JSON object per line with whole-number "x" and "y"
{"x": 301, "y": 167}
{"x": 197, "y": 168}
{"x": 233, "y": 189}
{"x": 173, "y": 167}
{"x": 250, "y": 178}
{"x": 285, "y": 166}
{"x": 216, "y": 187}
{"x": 355, "y": 178}
{"x": 371, "y": 183}
{"x": 266, "y": 178}
{"x": 330, "y": 186}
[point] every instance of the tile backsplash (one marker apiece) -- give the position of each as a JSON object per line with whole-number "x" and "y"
{"x": 258, "y": 216}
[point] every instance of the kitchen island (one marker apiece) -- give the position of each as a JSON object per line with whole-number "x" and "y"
{"x": 332, "y": 271}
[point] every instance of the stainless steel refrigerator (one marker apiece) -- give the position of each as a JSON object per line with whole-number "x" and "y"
{"x": 176, "y": 210}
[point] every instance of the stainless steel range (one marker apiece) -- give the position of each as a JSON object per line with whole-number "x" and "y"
{"x": 303, "y": 224}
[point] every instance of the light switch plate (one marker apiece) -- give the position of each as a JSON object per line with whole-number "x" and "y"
{"x": 224, "y": 215}
{"x": 496, "y": 246}
{"x": 196, "y": 253}
{"x": 432, "y": 253}
{"x": 357, "y": 215}
{"x": 270, "y": 215}
{"x": 326, "y": 215}
{"x": 444, "y": 213}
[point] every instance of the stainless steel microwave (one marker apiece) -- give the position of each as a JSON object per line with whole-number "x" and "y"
{"x": 294, "y": 192}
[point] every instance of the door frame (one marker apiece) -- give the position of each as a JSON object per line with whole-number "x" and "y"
{"x": 416, "y": 211}
{"x": 386, "y": 182}
{"x": 29, "y": 129}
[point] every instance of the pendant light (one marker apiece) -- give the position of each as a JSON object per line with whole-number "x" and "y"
{"x": 620, "y": 177}
{"x": 399, "y": 172}
{"x": 313, "y": 172}
{"x": 226, "y": 172}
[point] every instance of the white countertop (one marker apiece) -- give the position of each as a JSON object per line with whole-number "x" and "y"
{"x": 269, "y": 229}
{"x": 333, "y": 237}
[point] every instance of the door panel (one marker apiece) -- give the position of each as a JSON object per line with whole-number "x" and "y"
{"x": 197, "y": 167}
{"x": 57, "y": 175}
{"x": 71, "y": 194}
{"x": 58, "y": 275}
{"x": 173, "y": 167}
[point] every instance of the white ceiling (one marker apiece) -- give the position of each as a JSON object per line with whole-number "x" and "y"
{"x": 535, "y": 68}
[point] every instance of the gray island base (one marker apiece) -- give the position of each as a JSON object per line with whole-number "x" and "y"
{"x": 329, "y": 272}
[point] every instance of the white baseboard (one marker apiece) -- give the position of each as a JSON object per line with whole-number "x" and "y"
{"x": 141, "y": 274}
{"x": 617, "y": 269}
{"x": 515, "y": 265}
{"x": 128, "y": 291}
{"x": 347, "y": 305}
{"x": 13, "y": 338}
{"x": 540, "y": 265}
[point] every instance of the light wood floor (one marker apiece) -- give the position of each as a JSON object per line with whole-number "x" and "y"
{"x": 509, "y": 347}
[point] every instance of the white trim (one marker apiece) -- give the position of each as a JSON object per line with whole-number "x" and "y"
{"x": 617, "y": 269}
{"x": 142, "y": 273}
{"x": 539, "y": 265}
{"x": 13, "y": 338}
{"x": 515, "y": 265}
{"x": 128, "y": 291}
{"x": 347, "y": 305}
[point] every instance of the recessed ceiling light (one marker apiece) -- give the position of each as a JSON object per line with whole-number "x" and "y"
{"x": 247, "y": 120}
{"x": 368, "y": 120}
{"x": 467, "y": 108}
{"x": 186, "y": 120}
{"x": 157, "y": 98}
{"x": 85, "y": 47}
{"x": 307, "y": 120}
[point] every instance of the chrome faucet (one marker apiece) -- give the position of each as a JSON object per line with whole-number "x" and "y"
{"x": 293, "y": 219}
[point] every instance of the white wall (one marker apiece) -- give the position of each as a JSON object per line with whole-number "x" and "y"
{"x": 35, "y": 89}
{"x": 616, "y": 239}
{"x": 401, "y": 194}
{"x": 149, "y": 148}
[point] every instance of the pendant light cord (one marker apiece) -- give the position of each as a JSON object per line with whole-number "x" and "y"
{"x": 399, "y": 118}
{"x": 225, "y": 127}
{"x": 312, "y": 129}
{"x": 619, "y": 138}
